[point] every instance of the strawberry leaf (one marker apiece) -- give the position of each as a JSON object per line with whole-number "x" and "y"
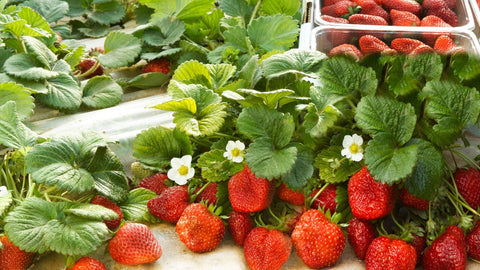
{"x": 91, "y": 211}
{"x": 121, "y": 50}
{"x": 465, "y": 66}
{"x": 107, "y": 13}
{"x": 235, "y": 8}
{"x": 250, "y": 72}
{"x": 13, "y": 133}
{"x": 302, "y": 170}
{"x": 148, "y": 80}
{"x": 26, "y": 66}
{"x": 92, "y": 29}
{"x": 161, "y": 32}
{"x": 35, "y": 24}
{"x": 236, "y": 37}
{"x": 277, "y": 32}
{"x": 74, "y": 57}
{"x": 21, "y": 96}
{"x": 295, "y": 61}
{"x": 287, "y": 7}
{"x": 64, "y": 93}
{"x": 101, "y": 92}
{"x": 135, "y": 209}
{"x": 149, "y": 56}
{"x": 5, "y": 201}
{"x": 51, "y": 10}
{"x": 40, "y": 51}
{"x": 318, "y": 122}
{"x": 271, "y": 99}
{"x": 220, "y": 74}
{"x": 192, "y": 72}
{"x": 182, "y": 10}
{"x": 333, "y": 167}
{"x": 216, "y": 168}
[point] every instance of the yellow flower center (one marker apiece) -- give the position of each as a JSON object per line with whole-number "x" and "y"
{"x": 235, "y": 152}
{"x": 183, "y": 170}
{"x": 354, "y": 148}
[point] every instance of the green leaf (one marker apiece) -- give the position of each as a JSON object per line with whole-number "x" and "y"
{"x": 193, "y": 72}
{"x": 92, "y": 211}
{"x": 102, "y": 92}
{"x": 333, "y": 167}
{"x": 465, "y": 66}
{"x": 220, "y": 74}
{"x": 13, "y": 133}
{"x": 428, "y": 172}
{"x": 16, "y": 27}
{"x": 387, "y": 162}
{"x": 206, "y": 122}
{"x": 63, "y": 93}
{"x": 293, "y": 61}
{"x": 143, "y": 14}
{"x": 236, "y": 8}
{"x": 76, "y": 8}
{"x": 318, "y": 122}
{"x": 158, "y": 145}
{"x": 148, "y": 80}
{"x": 270, "y": 98}
{"x": 277, "y": 32}
{"x": 92, "y": 30}
{"x": 26, "y": 66}
{"x": 287, "y": 7}
{"x": 135, "y": 207}
{"x": 51, "y": 10}
{"x": 149, "y": 56}
{"x": 74, "y": 57}
{"x": 21, "y": 96}
{"x": 121, "y": 50}
{"x": 302, "y": 170}
{"x": 381, "y": 115}
{"x": 36, "y": 25}
{"x": 40, "y": 50}
{"x": 237, "y": 38}
{"x": 5, "y": 202}
{"x": 182, "y": 9}
{"x": 399, "y": 80}
{"x": 187, "y": 105}
{"x": 250, "y": 72}
{"x": 162, "y": 32}
{"x": 216, "y": 168}
{"x": 107, "y": 13}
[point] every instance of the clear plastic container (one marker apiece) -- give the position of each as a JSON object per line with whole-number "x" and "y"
{"x": 476, "y": 15}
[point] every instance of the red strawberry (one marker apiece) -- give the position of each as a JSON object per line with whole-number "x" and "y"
{"x": 432, "y": 4}
{"x": 445, "y": 45}
{"x": 367, "y": 19}
{"x": 12, "y": 257}
{"x": 385, "y": 253}
{"x": 104, "y": 201}
{"x": 157, "y": 65}
{"x": 331, "y": 19}
{"x": 286, "y": 194}
{"x": 360, "y": 234}
{"x": 248, "y": 193}
{"x": 317, "y": 241}
{"x": 405, "y": 45}
{"x": 412, "y": 201}
{"x": 448, "y": 251}
{"x": 421, "y": 49}
{"x": 369, "y": 44}
{"x": 208, "y": 195}
{"x": 336, "y": 36}
{"x": 326, "y": 199}
{"x": 239, "y": 225}
{"x": 445, "y": 14}
{"x": 368, "y": 198}
{"x": 266, "y": 249}
{"x": 370, "y": 7}
{"x": 291, "y": 218}
{"x": 339, "y": 9}
{"x": 403, "y": 5}
{"x": 346, "y": 49}
{"x": 473, "y": 242}
{"x": 451, "y": 4}
{"x": 432, "y": 21}
{"x": 155, "y": 183}
{"x": 419, "y": 243}
{"x": 88, "y": 263}
{"x": 86, "y": 64}
{"x": 199, "y": 229}
{"x": 170, "y": 204}
{"x": 468, "y": 185}
{"x": 404, "y": 18}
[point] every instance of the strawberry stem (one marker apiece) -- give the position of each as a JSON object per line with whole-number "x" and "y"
{"x": 254, "y": 13}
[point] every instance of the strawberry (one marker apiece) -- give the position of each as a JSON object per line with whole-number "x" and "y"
{"x": 421, "y": 49}
{"x": 157, "y": 65}
{"x": 199, "y": 229}
{"x": 386, "y": 253}
{"x": 412, "y": 201}
{"x": 448, "y": 251}
{"x": 248, "y": 193}
{"x": 432, "y": 21}
{"x": 12, "y": 257}
{"x": 445, "y": 14}
{"x": 286, "y": 194}
{"x": 88, "y": 263}
{"x": 239, "y": 225}
{"x": 405, "y": 45}
{"x": 266, "y": 249}
{"x": 404, "y": 18}
{"x": 155, "y": 183}
{"x": 368, "y": 198}
{"x": 317, "y": 241}
{"x": 134, "y": 244}
{"x": 451, "y": 4}
{"x": 208, "y": 195}
{"x": 104, "y": 201}
{"x": 326, "y": 199}
{"x": 367, "y": 19}
{"x": 170, "y": 204}
{"x": 370, "y": 7}
{"x": 346, "y": 49}
{"x": 331, "y": 19}
{"x": 139, "y": 172}
{"x": 444, "y": 44}
{"x": 336, "y": 36}
{"x": 419, "y": 243}
{"x": 468, "y": 185}
{"x": 87, "y": 64}
{"x": 403, "y": 5}
{"x": 369, "y": 44}
{"x": 433, "y": 4}
{"x": 360, "y": 234}
{"x": 473, "y": 242}
{"x": 342, "y": 8}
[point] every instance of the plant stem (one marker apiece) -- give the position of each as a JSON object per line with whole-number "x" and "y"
{"x": 466, "y": 158}
{"x": 257, "y": 6}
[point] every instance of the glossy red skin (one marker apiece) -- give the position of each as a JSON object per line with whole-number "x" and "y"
{"x": 444, "y": 44}
{"x": 248, "y": 193}
{"x": 367, "y": 19}
{"x": 208, "y": 195}
{"x": 403, "y": 5}
{"x": 369, "y": 44}
{"x": 326, "y": 199}
{"x": 317, "y": 241}
{"x": 200, "y": 230}
{"x": 338, "y": 9}
{"x": 405, "y": 45}
{"x": 286, "y": 194}
{"x": 346, "y": 49}
{"x": 157, "y": 65}
{"x": 266, "y": 249}
{"x": 445, "y": 14}
{"x": 12, "y": 257}
{"x": 385, "y": 253}
{"x": 432, "y": 21}
{"x": 170, "y": 205}
{"x": 404, "y": 18}
{"x": 448, "y": 251}
{"x": 419, "y": 243}
{"x": 155, "y": 183}
{"x": 370, "y": 7}
{"x": 468, "y": 185}
{"x": 332, "y": 19}
{"x": 360, "y": 234}
{"x": 104, "y": 201}
{"x": 239, "y": 225}
{"x": 368, "y": 198}
{"x": 88, "y": 263}
{"x": 473, "y": 242}
{"x": 134, "y": 244}
{"x": 88, "y": 63}
{"x": 412, "y": 201}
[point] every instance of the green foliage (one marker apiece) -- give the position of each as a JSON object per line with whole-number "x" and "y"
{"x": 135, "y": 209}
{"x": 216, "y": 168}
{"x": 189, "y": 10}
{"x": 277, "y": 32}
{"x": 295, "y": 61}
{"x": 21, "y": 96}
{"x": 13, "y": 133}
{"x": 121, "y": 50}
{"x": 101, "y": 92}
{"x": 333, "y": 167}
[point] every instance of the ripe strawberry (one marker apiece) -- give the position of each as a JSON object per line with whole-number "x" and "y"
{"x": 448, "y": 251}
{"x": 157, "y": 65}
{"x": 336, "y": 36}
{"x": 86, "y": 64}
{"x": 134, "y": 244}
{"x": 369, "y": 44}
{"x": 412, "y": 201}
{"x": 286, "y": 194}
{"x": 170, "y": 204}
{"x": 419, "y": 243}
{"x": 432, "y": 21}
{"x": 421, "y": 49}
{"x": 88, "y": 263}
{"x": 239, "y": 225}
{"x": 445, "y": 14}
{"x": 432, "y": 4}
{"x": 199, "y": 229}
{"x": 468, "y": 185}
{"x": 385, "y": 253}
{"x": 473, "y": 242}
{"x": 331, "y": 19}
{"x": 326, "y": 199}
{"x": 314, "y": 228}
{"x": 360, "y": 234}
{"x": 266, "y": 249}
{"x": 12, "y": 257}
{"x": 368, "y": 198}
{"x": 370, "y": 7}
{"x": 445, "y": 45}
{"x": 451, "y": 4}
{"x": 248, "y": 193}
{"x": 405, "y": 45}
{"x": 367, "y": 19}
{"x": 403, "y": 5}
{"x": 208, "y": 195}
{"x": 155, "y": 183}
{"x": 339, "y": 9}
{"x": 346, "y": 49}
{"x": 104, "y": 201}
{"x": 404, "y": 18}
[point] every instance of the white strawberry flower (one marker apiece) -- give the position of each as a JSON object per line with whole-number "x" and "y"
{"x": 3, "y": 191}
{"x": 352, "y": 147}
{"x": 181, "y": 170}
{"x": 234, "y": 151}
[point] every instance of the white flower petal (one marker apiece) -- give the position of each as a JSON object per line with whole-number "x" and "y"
{"x": 176, "y": 163}
{"x": 227, "y": 154}
{"x": 357, "y": 139}
{"x": 181, "y": 180}
{"x": 3, "y": 191}
{"x": 240, "y": 145}
{"x": 347, "y": 141}
{"x": 230, "y": 146}
{"x": 346, "y": 153}
{"x": 237, "y": 159}
{"x": 186, "y": 160}
{"x": 191, "y": 173}
{"x": 357, "y": 157}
